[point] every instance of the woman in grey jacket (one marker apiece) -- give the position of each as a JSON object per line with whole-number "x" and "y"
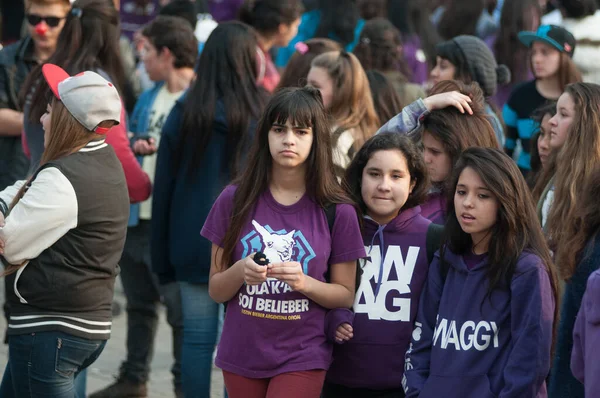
{"x": 61, "y": 236}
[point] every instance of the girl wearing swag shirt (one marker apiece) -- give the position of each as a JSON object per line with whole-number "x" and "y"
{"x": 388, "y": 179}
{"x": 273, "y": 342}
{"x": 485, "y": 322}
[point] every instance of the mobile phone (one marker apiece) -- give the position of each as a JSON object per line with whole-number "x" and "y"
{"x": 260, "y": 258}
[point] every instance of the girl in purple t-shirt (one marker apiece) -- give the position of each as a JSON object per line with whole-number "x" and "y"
{"x": 485, "y": 324}
{"x": 273, "y": 342}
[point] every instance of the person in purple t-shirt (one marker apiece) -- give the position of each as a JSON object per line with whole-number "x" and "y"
{"x": 486, "y": 318}
{"x": 273, "y": 342}
{"x": 388, "y": 178}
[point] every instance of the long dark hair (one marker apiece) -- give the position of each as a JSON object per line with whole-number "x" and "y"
{"x": 537, "y": 171}
{"x": 296, "y": 71}
{"x": 460, "y": 18}
{"x": 89, "y": 40}
{"x": 578, "y": 9}
{"x": 266, "y": 15}
{"x": 517, "y": 229}
{"x": 340, "y": 18}
{"x": 302, "y": 107}
{"x": 412, "y": 19}
{"x": 516, "y": 17}
{"x": 352, "y": 180}
{"x": 226, "y": 72}
{"x": 380, "y": 47}
{"x": 386, "y": 101}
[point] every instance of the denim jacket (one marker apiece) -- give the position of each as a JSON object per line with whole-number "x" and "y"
{"x": 407, "y": 121}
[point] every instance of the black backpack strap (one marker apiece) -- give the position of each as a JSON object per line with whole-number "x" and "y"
{"x": 330, "y": 210}
{"x": 433, "y": 240}
{"x": 330, "y": 214}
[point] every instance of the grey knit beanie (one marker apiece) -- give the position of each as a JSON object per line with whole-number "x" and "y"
{"x": 480, "y": 61}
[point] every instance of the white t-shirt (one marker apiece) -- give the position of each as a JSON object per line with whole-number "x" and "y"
{"x": 546, "y": 205}
{"x": 161, "y": 108}
{"x": 341, "y": 149}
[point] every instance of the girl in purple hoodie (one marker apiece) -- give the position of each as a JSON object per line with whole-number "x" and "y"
{"x": 485, "y": 323}
{"x": 388, "y": 179}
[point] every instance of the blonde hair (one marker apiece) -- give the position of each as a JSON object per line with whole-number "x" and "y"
{"x": 352, "y": 104}
{"x": 577, "y": 159}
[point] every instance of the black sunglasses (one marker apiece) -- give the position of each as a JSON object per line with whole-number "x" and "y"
{"x": 34, "y": 19}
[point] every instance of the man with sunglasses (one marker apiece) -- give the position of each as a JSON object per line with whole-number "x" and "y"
{"x": 45, "y": 19}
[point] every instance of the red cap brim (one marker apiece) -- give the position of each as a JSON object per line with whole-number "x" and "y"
{"x": 54, "y": 75}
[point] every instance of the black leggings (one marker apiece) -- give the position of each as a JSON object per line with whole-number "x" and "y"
{"x": 337, "y": 391}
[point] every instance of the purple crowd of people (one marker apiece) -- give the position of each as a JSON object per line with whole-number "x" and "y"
{"x": 336, "y": 199}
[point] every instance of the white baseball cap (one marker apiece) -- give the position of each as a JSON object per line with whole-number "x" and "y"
{"x": 89, "y": 97}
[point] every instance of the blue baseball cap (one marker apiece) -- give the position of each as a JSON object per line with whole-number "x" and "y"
{"x": 556, "y": 36}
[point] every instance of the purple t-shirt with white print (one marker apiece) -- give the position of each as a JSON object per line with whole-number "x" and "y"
{"x": 269, "y": 329}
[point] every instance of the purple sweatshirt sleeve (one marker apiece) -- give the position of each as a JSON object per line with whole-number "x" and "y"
{"x": 586, "y": 335}
{"x": 416, "y": 366}
{"x": 406, "y": 121}
{"x": 578, "y": 353}
{"x": 334, "y": 319}
{"x": 532, "y": 314}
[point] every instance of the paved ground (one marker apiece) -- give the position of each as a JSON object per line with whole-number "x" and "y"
{"x": 102, "y": 372}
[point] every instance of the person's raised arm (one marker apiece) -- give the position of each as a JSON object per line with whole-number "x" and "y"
{"x": 409, "y": 119}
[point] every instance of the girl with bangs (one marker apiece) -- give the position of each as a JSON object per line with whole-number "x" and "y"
{"x": 273, "y": 342}
{"x": 210, "y": 128}
{"x": 388, "y": 179}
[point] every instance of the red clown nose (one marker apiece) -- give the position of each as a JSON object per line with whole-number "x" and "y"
{"x": 41, "y": 29}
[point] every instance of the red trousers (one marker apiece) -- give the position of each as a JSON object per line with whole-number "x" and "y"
{"x": 305, "y": 384}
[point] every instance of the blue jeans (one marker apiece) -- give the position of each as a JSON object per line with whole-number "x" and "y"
{"x": 45, "y": 364}
{"x": 200, "y": 324}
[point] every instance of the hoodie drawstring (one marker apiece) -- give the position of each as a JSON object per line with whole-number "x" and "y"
{"x": 379, "y": 233}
